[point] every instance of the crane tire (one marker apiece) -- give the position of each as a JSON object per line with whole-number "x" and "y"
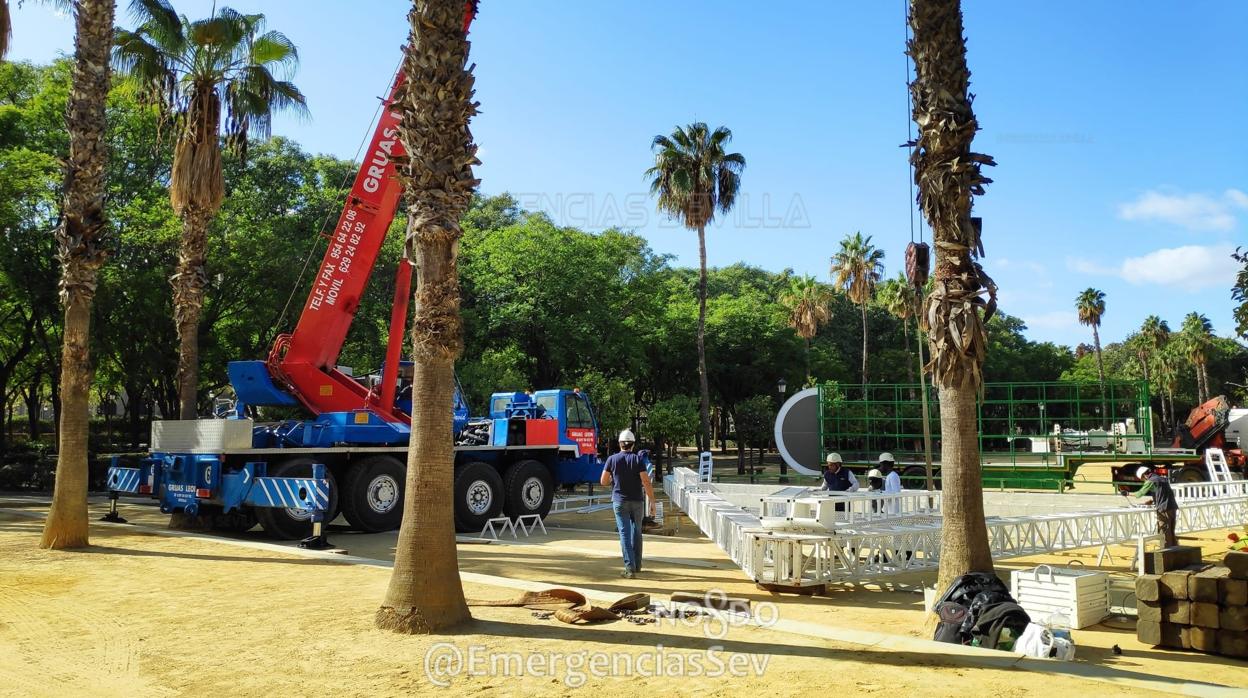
{"x": 528, "y": 489}
{"x": 1189, "y": 473}
{"x": 914, "y": 477}
{"x": 295, "y": 524}
{"x": 478, "y": 496}
{"x": 372, "y": 494}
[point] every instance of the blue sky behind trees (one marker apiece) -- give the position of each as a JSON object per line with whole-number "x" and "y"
{"x": 1117, "y": 128}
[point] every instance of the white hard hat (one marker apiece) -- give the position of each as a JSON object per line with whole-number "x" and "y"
{"x": 1142, "y": 472}
{"x": 834, "y": 458}
{"x": 874, "y": 472}
{"x": 886, "y": 457}
{"x": 627, "y": 436}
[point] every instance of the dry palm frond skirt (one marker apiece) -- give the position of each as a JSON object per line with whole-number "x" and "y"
{"x": 569, "y": 606}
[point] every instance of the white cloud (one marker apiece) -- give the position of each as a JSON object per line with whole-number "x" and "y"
{"x": 1189, "y": 268}
{"x": 1191, "y": 211}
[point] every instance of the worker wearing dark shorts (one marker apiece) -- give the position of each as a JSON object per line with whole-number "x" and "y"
{"x": 630, "y": 490}
{"x": 1162, "y": 498}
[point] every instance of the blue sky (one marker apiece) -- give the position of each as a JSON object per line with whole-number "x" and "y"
{"x": 1118, "y": 128}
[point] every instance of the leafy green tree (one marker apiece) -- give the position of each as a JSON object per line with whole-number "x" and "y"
{"x": 193, "y": 69}
{"x": 1013, "y": 357}
{"x": 694, "y": 177}
{"x": 856, "y": 269}
{"x": 1090, "y": 305}
{"x": 809, "y": 306}
{"x": 672, "y": 421}
{"x": 754, "y": 420}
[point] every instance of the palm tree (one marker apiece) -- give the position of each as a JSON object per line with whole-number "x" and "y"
{"x": 436, "y": 104}
{"x": 809, "y": 305}
{"x": 1196, "y": 340}
{"x": 1091, "y": 306}
{"x": 694, "y": 177}
{"x": 856, "y": 269}
{"x": 1169, "y": 359}
{"x": 81, "y": 255}
{"x": 947, "y": 173}
{"x": 1154, "y": 334}
{"x": 6, "y": 28}
{"x": 193, "y": 69}
{"x": 897, "y": 297}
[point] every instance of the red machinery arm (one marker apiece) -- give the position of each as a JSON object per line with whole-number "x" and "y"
{"x": 305, "y": 360}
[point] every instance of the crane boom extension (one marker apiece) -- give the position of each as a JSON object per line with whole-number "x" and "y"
{"x": 305, "y": 359}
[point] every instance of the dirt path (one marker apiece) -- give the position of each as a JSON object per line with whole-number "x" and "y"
{"x": 141, "y": 614}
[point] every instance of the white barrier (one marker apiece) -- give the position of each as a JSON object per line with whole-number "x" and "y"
{"x": 865, "y": 549}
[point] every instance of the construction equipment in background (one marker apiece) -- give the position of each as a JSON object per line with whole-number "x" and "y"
{"x": 350, "y": 454}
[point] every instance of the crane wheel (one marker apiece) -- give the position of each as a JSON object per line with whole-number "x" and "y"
{"x": 1189, "y": 473}
{"x": 478, "y": 496}
{"x": 372, "y": 494}
{"x": 914, "y": 477}
{"x": 529, "y": 489}
{"x": 295, "y": 524}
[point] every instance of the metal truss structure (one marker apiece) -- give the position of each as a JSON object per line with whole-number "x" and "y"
{"x": 870, "y": 542}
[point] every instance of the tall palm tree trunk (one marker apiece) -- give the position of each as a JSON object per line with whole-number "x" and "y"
{"x": 807, "y": 357}
{"x": 864, "y": 343}
{"x": 1204, "y": 380}
{"x": 425, "y": 594}
{"x": 1096, "y": 344}
{"x": 81, "y": 256}
{"x": 189, "y": 283}
{"x": 704, "y": 386}
{"x": 948, "y": 174}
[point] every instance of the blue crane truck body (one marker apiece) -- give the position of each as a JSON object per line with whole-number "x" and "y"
{"x": 235, "y": 472}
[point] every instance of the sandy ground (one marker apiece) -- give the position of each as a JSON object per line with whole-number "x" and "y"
{"x": 142, "y": 614}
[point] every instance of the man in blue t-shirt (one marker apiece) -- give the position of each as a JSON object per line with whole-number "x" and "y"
{"x": 630, "y": 490}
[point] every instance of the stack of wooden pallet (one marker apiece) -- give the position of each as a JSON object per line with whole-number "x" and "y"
{"x": 1200, "y": 607}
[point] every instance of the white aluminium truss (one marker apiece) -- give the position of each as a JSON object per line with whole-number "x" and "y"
{"x": 863, "y": 550}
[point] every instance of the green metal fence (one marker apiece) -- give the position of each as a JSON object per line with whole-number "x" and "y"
{"x": 1021, "y": 425}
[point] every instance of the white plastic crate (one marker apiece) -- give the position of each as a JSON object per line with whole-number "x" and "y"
{"x": 1081, "y": 595}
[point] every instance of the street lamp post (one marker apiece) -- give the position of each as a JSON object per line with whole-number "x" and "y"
{"x": 781, "y": 386}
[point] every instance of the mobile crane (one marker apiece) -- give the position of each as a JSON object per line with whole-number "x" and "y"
{"x": 349, "y": 456}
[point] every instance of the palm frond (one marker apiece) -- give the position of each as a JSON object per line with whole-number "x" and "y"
{"x": 273, "y": 49}
{"x": 160, "y": 23}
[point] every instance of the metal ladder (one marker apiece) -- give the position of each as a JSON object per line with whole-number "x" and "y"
{"x": 1215, "y": 460}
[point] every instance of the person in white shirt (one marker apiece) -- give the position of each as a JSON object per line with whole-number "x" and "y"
{"x": 892, "y": 481}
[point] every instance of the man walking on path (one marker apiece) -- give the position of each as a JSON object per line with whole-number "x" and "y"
{"x": 1163, "y": 501}
{"x": 630, "y": 490}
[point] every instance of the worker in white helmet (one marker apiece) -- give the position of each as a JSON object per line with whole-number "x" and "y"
{"x": 836, "y": 477}
{"x": 888, "y": 466}
{"x": 1163, "y": 501}
{"x": 631, "y": 488}
{"x": 892, "y": 481}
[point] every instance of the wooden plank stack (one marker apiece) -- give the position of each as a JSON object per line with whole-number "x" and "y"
{"x": 1199, "y": 607}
